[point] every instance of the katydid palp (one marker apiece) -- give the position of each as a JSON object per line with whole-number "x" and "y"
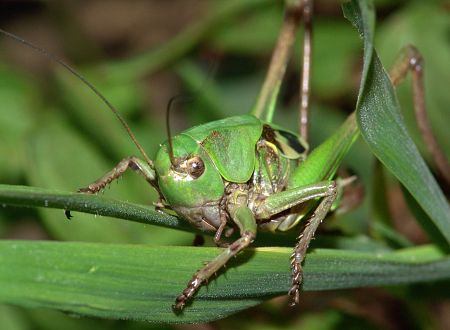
{"x": 241, "y": 173}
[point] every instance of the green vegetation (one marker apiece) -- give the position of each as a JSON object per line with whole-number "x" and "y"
{"x": 56, "y": 135}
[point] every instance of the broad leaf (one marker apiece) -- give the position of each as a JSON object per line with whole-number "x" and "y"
{"x": 140, "y": 282}
{"x": 382, "y": 127}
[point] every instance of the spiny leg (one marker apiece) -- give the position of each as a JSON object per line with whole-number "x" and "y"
{"x": 299, "y": 253}
{"x": 134, "y": 163}
{"x": 327, "y": 190}
{"x": 410, "y": 59}
{"x": 247, "y": 225}
{"x": 305, "y": 238}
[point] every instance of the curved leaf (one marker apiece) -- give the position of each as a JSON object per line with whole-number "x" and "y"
{"x": 140, "y": 282}
{"x": 382, "y": 127}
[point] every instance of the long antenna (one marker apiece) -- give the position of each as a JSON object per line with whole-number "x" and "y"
{"x": 92, "y": 87}
{"x": 182, "y": 98}
{"x": 169, "y": 139}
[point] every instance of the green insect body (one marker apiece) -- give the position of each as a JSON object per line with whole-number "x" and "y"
{"x": 237, "y": 173}
{"x": 245, "y": 174}
{"x": 217, "y": 158}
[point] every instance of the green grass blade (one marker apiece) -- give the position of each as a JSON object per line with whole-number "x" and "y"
{"x": 362, "y": 15}
{"x": 141, "y": 282}
{"x": 93, "y": 204}
{"x": 382, "y": 127}
{"x": 385, "y": 133}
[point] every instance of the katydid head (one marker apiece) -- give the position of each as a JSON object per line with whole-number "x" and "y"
{"x": 194, "y": 166}
{"x": 190, "y": 183}
{"x": 187, "y": 178}
{"x": 190, "y": 166}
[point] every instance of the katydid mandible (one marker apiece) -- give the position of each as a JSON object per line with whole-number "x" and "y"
{"x": 244, "y": 173}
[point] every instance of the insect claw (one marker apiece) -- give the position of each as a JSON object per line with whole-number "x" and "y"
{"x": 159, "y": 205}
{"x": 178, "y": 306}
{"x": 295, "y": 295}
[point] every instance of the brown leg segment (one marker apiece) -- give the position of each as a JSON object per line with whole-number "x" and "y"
{"x": 410, "y": 59}
{"x": 211, "y": 268}
{"x": 243, "y": 217}
{"x": 305, "y": 237}
{"x": 306, "y": 71}
{"x": 280, "y": 57}
{"x": 223, "y": 222}
{"x": 132, "y": 162}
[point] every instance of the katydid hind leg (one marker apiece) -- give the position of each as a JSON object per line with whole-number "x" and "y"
{"x": 305, "y": 82}
{"x": 243, "y": 217}
{"x": 410, "y": 60}
{"x": 265, "y": 104}
{"x": 133, "y": 163}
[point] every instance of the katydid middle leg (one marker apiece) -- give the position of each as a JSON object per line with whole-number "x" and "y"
{"x": 298, "y": 255}
{"x": 327, "y": 190}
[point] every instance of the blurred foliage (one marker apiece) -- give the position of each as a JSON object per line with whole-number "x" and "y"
{"x": 54, "y": 133}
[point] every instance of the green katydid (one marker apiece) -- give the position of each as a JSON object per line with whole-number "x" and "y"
{"x": 237, "y": 173}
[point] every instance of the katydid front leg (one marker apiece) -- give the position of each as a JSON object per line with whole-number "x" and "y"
{"x": 245, "y": 220}
{"x": 133, "y": 163}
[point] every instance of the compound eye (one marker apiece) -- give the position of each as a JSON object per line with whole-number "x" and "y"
{"x": 195, "y": 167}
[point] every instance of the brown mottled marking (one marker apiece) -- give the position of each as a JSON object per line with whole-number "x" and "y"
{"x": 213, "y": 135}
